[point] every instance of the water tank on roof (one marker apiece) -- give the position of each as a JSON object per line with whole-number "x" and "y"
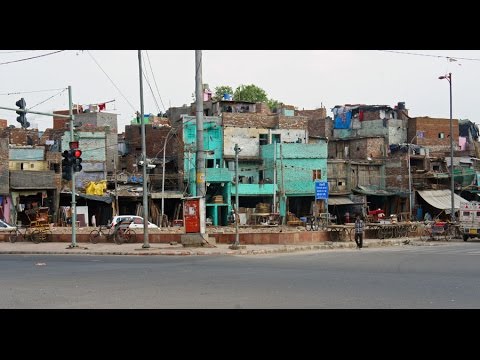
{"x": 401, "y": 105}
{"x": 227, "y": 97}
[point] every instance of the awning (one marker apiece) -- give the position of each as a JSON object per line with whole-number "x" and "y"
{"x": 441, "y": 199}
{"x": 339, "y": 200}
{"x": 106, "y": 199}
{"x": 372, "y": 190}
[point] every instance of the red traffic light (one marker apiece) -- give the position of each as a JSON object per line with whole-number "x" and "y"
{"x": 77, "y": 153}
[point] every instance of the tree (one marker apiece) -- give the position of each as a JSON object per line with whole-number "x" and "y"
{"x": 220, "y": 90}
{"x": 273, "y": 104}
{"x": 250, "y": 93}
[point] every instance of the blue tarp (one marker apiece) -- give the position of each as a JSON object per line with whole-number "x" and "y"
{"x": 343, "y": 120}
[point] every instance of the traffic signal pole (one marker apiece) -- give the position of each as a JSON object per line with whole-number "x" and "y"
{"x": 70, "y": 116}
{"x": 74, "y": 203}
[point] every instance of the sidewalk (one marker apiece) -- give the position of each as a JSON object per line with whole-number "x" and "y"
{"x": 57, "y": 248}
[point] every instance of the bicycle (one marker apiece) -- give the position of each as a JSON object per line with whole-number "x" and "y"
{"x": 435, "y": 231}
{"x": 120, "y": 233}
{"x": 33, "y": 234}
{"x": 311, "y": 224}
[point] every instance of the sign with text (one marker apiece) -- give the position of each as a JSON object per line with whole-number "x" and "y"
{"x": 321, "y": 190}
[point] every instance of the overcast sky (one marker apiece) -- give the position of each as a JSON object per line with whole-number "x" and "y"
{"x": 305, "y": 79}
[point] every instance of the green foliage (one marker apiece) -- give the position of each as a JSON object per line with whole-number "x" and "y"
{"x": 220, "y": 90}
{"x": 273, "y": 104}
{"x": 250, "y": 93}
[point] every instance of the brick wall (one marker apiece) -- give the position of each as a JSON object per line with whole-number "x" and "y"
{"x": 371, "y": 115}
{"x": 396, "y": 171}
{"x": 154, "y": 139}
{"x": 262, "y": 108}
{"x": 427, "y": 131}
{"x": 20, "y": 136}
{"x": 292, "y": 122}
{"x": 317, "y": 114}
{"x": 62, "y": 123}
{"x": 357, "y": 148}
{"x": 320, "y": 127}
{"x": 254, "y": 120}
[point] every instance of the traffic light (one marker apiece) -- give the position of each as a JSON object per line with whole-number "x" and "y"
{"x": 22, "y": 117}
{"x": 76, "y": 159}
{"x": 66, "y": 166}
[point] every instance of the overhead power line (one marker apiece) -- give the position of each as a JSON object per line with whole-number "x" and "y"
{"x": 451, "y": 58}
{"x": 30, "y": 92}
{"x": 116, "y": 87}
{"x": 155, "y": 81}
{"x": 51, "y": 97}
{"x": 148, "y": 82}
{"x": 30, "y": 58}
{"x": 15, "y": 51}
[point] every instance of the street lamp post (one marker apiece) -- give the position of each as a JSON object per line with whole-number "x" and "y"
{"x": 172, "y": 131}
{"x": 449, "y": 78}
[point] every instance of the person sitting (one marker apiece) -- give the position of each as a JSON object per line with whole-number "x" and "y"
{"x": 427, "y": 217}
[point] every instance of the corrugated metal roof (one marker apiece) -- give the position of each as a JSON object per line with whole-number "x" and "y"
{"x": 339, "y": 200}
{"x": 441, "y": 199}
{"x": 371, "y": 190}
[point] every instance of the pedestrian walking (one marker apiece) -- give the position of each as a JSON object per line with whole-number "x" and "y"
{"x": 359, "y": 226}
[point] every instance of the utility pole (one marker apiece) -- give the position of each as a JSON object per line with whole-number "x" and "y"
{"x": 283, "y": 185}
{"x": 409, "y": 183}
{"x": 274, "y": 178}
{"x": 117, "y": 212}
{"x": 200, "y": 161}
{"x": 237, "y": 218}
{"x": 452, "y": 180}
{"x": 74, "y": 203}
{"x": 145, "y": 245}
{"x": 163, "y": 173}
{"x": 452, "y": 184}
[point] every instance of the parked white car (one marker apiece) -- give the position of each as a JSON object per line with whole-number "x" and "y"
{"x": 6, "y": 227}
{"x": 137, "y": 221}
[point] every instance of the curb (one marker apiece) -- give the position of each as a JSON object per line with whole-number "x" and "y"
{"x": 285, "y": 249}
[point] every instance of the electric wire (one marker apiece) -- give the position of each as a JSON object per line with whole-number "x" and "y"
{"x": 51, "y": 97}
{"x": 451, "y": 58}
{"x": 31, "y": 57}
{"x": 109, "y": 78}
{"x": 30, "y": 92}
{"x": 155, "y": 81}
{"x": 149, "y": 86}
{"x": 15, "y": 51}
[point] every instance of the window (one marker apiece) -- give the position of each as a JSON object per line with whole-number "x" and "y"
{"x": 441, "y": 135}
{"x": 210, "y": 163}
{"x": 275, "y": 138}
{"x": 263, "y": 139}
{"x": 317, "y": 174}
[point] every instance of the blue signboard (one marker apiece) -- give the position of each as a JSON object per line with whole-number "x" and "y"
{"x": 321, "y": 190}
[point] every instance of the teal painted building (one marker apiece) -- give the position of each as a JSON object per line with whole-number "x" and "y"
{"x": 297, "y": 166}
{"x": 218, "y": 179}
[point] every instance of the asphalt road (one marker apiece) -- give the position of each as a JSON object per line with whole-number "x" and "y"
{"x": 441, "y": 276}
